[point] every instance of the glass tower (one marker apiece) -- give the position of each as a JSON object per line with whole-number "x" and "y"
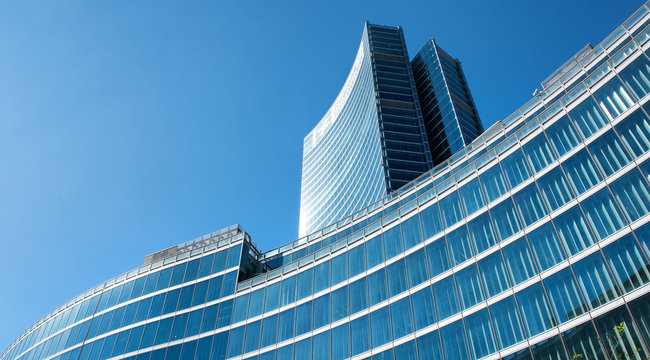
{"x": 371, "y": 141}
{"x": 532, "y": 242}
{"x": 450, "y": 116}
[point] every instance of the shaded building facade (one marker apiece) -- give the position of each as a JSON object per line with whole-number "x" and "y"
{"x": 532, "y": 242}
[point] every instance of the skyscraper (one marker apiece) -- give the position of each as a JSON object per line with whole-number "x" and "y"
{"x": 450, "y": 117}
{"x": 532, "y": 242}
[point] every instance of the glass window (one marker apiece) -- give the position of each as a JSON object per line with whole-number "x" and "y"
{"x": 519, "y": 261}
{"x": 171, "y": 301}
{"x": 210, "y": 318}
{"x": 479, "y": 333}
{"x": 339, "y": 268}
{"x": 493, "y": 183}
{"x": 393, "y": 242}
{"x": 453, "y": 212}
{"x": 256, "y": 303}
{"x": 285, "y": 325}
{"x": 219, "y": 261}
{"x": 444, "y": 293}
{"x": 424, "y": 312}
{"x": 322, "y": 314}
{"x": 613, "y": 98}
{"x": 469, "y": 286}
{"x": 635, "y": 132}
{"x": 397, "y": 278}
{"x": 619, "y": 334}
{"x": 515, "y": 168}
{"x": 321, "y": 276}
{"x": 377, "y": 288}
{"x": 482, "y": 232}
{"x": 454, "y": 341}
{"x": 493, "y": 273}
{"x": 406, "y": 351}
{"x": 563, "y": 136}
{"x": 288, "y": 291}
{"x": 194, "y": 322}
{"x": 573, "y": 230}
{"x": 165, "y": 275}
{"x": 152, "y": 280}
{"x": 402, "y": 320}
{"x": 321, "y": 348}
{"x": 505, "y": 219}
{"x": 583, "y": 340}
{"x": 252, "y": 337}
{"x": 360, "y": 335}
{"x": 595, "y": 280}
{"x": 272, "y": 297}
{"x": 339, "y": 303}
{"x": 214, "y": 289}
{"x": 303, "y": 318}
{"x": 603, "y": 213}
{"x": 431, "y": 223}
{"x": 416, "y": 264}
{"x": 185, "y": 300}
{"x": 530, "y": 205}
{"x": 200, "y": 292}
{"x": 438, "y": 257}
{"x": 374, "y": 251}
{"x": 241, "y": 308}
{"x": 538, "y": 152}
{"x": 555, "y": 189}
{"x": 609, "y": 153}
{"x": 225, "y": 314}
{"x": 356, "y": 260}
{"x": 358, "y": 296}
{"x": 472, "y": 196}
{"x": 506, "y": 322}
{"x": 234, "y": 253}
{"x": 535, "y": 309}
{"x": 380, "y": 327}
{"x": 587, "y": 118}
{"x": 637, "y": 77}
{"x": 411, "y": 231}
{"x": 305, "y": 280}
{"x": 546, "y": 246}
{"x": 459, "y": 245}
{"x": 229, "y": 283}
{"x": 192, "y": 270}
{"x": 178, "y": 273}
{"x": 164, "y": 331}
{"x": 341, "y": 342}
{"x": 206, "y": 265}
{"x": 633, "y": 194}
{"x": 302, "y": 349}
{"x": 581, "y": 171}
{"x": 429, "y": 346}
{"x": 627, "y": 262}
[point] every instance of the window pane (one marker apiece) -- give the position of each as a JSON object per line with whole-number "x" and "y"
{"x": 563, "y": 136}
{"x": 272, "y": 296}
{"x": 356, "y": 260}
{"x": 438, "y": 257}
{"x": 519, "y": 261}
{"x": 286, "y": 324}
{"x": 431, "y": 223}
{"x": 303, "y": 318}
{"x": 635, "y": 132}
{"x": 603, "y": 213}
{"x": 377, "y": 288}
{"x": 453, "y": 212}
{"x": 493, "y": 183}
{"x": 587, "y": 118}
{"x": 613, "y": 98}
{"x": 397, "y": 278}
{"x": 423, "y": 308}
{"x": 595, "y": 281}
{"x": 402, "y": 320}
{"x": 358, "y": 296}
{"x": 454, "y": 341}
{"x": 411, "y": 232}
{"x": 479, "y": 332}
{"x": 444, "y": 293}
{"x": 637, "y": 76}
{"x": 546, "y": 246}
{"x": 380, "y": 327}
{"x": 305, "y": 279}
{"x": 505, "y": 219}
{"x": 322, "y": 314}
{"x": 506, "y": 322}
{"x": 633, "y": 194}
{"x": 469, "y": 286}
{"x": 515, "y": 168}
{"x": 573, "y": 230}
{"x": 627, "y": 262}
{"x": 482, "y": 232}
{"x": 360, "y": 335}
{"x": 555, "y": 189}
{"x": 609, "y": 153}
{"x": 374, "y": 251}
{"x": 392, "y": 242}
{"x": 321, "y": 276}
{"x": 538, "y": 152}
{"x": 493, "y": 273}
{"x": 535, "y": 309}
{"x": 472, "y": 196}
{"x": 530, "y": 205}
{"x": 339, "y": 303}
{"x": 581, "y": 171}
{"x": 339, "y": 268}
{"x": 288, "y": 291}
{"x": 459, "y": 245}
{"x": 429, "y": 346}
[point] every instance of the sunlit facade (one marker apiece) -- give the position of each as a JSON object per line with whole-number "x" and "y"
{"x": 532, "y": 242}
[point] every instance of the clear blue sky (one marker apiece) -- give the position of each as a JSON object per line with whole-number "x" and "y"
{"x": 130, "y": 126}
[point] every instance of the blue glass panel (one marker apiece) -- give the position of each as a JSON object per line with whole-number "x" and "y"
{"x": 505, "y": 219}
{"x": 206, "y": 265}
{"x": 613, "y": 98}
{"x": 469, "y": 286}
{"x": 192, "y": 270}
{"x": 472, "y": 196}
{"x": 633, "y": 194}
{"x": 321, "y": 348}
{"x": 493, "y": 272}
{"x": 234, "y": 254}
{"x": 411, "y": 232}
{"x": 285, "y": 325}
{"x": 519, "y": 261}
{"x": 538, "y": 152}
{"x": 555, "y": 188}
{"x": 563, "y": 136}
{"x": 177, "y": 274}
{"x": 380, "y": 327}
{"x": 535, "y": 310}
{"x": 397, "y": 278}
{"x": 573, "y": 230}
{"x": 200, "y": 292}
{"x": 241, "y": 308}
{"x": 236, "y": 342}
{"x": 356, "y": 260}
{"x": 185, "y": 298}
{"x": 429, "y": 346}
{"x": 210, "y": 318}
{"x": 480, "y": 334}
{"x": 546, "y": 246}
{"x": 444, "y": 293}
{"x": 288, "y": 291}
{"x": 416, "y": 264}
{"x": 581, "y": 171}
{"x": 482, "y": 232}
{"x": 402, "y": 319}
{"x": 322, "y": 314}
{"x": 374, "y": 251}
{"x": 252, "y": 336}
{"x": 392, "y": 242}
{"x": 635, "y": 132}
{"x": 609, "y": 153}
{"x": 341, "y": 342}
{"x": 424, "y": 313}
{"x": 377, "y": 287}
{"x": 303, "y": 318}
{"x": 431, "y": 221}
{"x": 454, "y": 341}
{"x": 360, "y": 335}
{"x": 506, "y": 322}
{"x": 272, "y": 300}
{"x": 460, "y": 245}
{"x": 406, "y": 351}
{"x": 302, "y": 349}
{"x": 603, "y": 214}
{"x": 180, "y": 324}
{"x": 339, "y": 303}
{"x": 305, "y": 283}
{"x": 358, "y": 296}
{"x": 587, "y": 117}
{"x": 339, "y": 268}
{"x": 595, "y": 281}
{"x": 225, "y": 313}
{"x": 529, "y": 204}
{"x": 256, "y": 304}
{"x": 214, "y": 290}
{"x": 515, "y": 168}
{"x": 637, "y": 76}
{"x": 453, "y": 211}
{"x": 493, "y": 182}
{"x": 626, "y": 260}
{"x": 438, "y": 257}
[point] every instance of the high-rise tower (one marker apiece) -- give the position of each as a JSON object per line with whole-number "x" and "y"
{"x": 371, "y": 141}
{"x": 448, "y": 110}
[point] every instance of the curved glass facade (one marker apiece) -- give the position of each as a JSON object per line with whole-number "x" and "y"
{"x": 531, "y": 243}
